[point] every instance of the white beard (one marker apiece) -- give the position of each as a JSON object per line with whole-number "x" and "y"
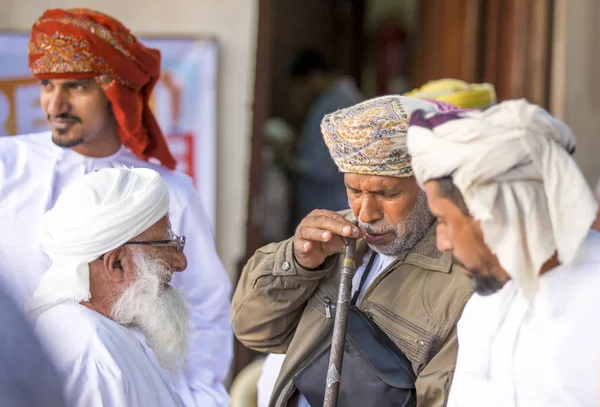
{"x": 158, "y": 310}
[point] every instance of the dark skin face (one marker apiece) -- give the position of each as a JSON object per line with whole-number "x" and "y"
{"x": 113, "y": 274}
{"x": 377, "y": 199}
{"x": 79, "y": 116}
{"x": 460, "y": 234}
{"x": 374, "y": 199}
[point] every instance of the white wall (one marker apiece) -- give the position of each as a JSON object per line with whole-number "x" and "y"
{"x": 576, "y": 78}
{"x": 234, "y": 24}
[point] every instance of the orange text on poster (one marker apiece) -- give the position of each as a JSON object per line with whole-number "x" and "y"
{"x": 8, "y": 90}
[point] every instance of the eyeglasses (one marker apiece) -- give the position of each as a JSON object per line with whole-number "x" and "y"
{"x": 178, "y": 242}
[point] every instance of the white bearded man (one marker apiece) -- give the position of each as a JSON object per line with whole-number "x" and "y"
{"x": 96, "y": 83}
{"x": 113, "y": 256}
{"x": 514, "y": 208}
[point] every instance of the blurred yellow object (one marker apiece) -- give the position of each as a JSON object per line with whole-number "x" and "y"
{"x": 244, "y": 392}
{"x": 458, "y": 93}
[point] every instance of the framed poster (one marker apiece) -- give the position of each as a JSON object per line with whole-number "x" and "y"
{"x": 184, "y": 102}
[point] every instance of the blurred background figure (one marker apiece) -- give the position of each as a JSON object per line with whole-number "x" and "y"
{"x": 316, "y": 89}
{"x": 27, "y": 378}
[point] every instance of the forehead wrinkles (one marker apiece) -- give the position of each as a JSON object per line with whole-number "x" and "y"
{"x": 371, "y": 183}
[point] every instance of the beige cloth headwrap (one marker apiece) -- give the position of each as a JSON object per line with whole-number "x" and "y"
{"x": 512, "y": 165}
{"x": 370, "y": 137}
{"x": 95, "y": 214}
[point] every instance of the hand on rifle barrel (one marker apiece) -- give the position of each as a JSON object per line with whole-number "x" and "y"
{"x": 321, "y": 234}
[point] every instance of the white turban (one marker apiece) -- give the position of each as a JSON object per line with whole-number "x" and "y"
{"x": 96, "y": 214}
{"x": 512, "y": 165}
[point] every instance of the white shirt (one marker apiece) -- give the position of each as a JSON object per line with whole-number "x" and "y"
{"x": 100, "y": 362}
{"x": 273, "y": 362}
{"x": 27, "y": 375}
{"x": 546, "y": 354}
{"x": 33, "y": 171}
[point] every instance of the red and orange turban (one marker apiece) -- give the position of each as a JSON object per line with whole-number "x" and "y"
{"x": 82, "y": 43}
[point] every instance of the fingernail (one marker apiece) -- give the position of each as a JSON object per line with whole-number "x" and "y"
{"x": 306, "y": 246}
{"x": 325, "y": 235}
{"x": 347, "y": 230}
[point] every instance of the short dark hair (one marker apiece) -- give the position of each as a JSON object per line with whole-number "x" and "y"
{"x": 307, "y": 61}
{"x": 449, "y": 191}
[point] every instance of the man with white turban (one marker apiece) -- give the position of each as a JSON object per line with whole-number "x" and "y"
{"x": 514, "y": 208}
{"x": 113, "y": 255}
{"x": 96, "y": 80}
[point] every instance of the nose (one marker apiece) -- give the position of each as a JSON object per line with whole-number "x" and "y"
{"x": 57, "y": 101}
{"x": 444, "y": 244}
{"x": 178, "y": 261}
{"x": 369, "y": 211}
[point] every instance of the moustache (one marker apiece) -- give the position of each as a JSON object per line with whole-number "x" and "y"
{"x": 63, "y": 116}
{"x": 376, "y": 229}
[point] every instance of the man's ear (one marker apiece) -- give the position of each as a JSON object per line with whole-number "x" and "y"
{"x": 113, "y": 264}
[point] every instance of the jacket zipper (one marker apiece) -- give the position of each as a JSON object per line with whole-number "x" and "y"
{"x": 288, "y": 393}
{"x": 406, "y": 338}
{"x": 390, "y": 315}
{"x": 329, "y": 306}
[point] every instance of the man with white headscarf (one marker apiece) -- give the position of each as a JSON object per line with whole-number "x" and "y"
{"x": 113, "y": 255}
{"x": 514, "y": 208}
{"x": 96, "y": 81}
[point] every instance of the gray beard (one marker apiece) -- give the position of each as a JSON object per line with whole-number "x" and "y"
{"x": 407, "y": 233}
{"x": 157, "y": 310}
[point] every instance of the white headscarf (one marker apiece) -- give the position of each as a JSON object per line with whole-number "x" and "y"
{"x": 96, "y": 214}
{"x": 512, "y": 165}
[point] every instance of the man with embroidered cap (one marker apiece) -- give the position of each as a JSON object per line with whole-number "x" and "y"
{"x": 413, "y": 294}
{"x": 96, "y": 80}
{"x": 514, "y": 208}
{"x": 113, "y": 255}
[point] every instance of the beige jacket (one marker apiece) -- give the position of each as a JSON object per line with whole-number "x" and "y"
{"x": 280, "y": 307}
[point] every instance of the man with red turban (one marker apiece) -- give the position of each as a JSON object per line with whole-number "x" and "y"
{"x": 96, "y": 79}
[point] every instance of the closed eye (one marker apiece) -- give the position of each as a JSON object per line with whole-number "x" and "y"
{"x": 390, "y": 194}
